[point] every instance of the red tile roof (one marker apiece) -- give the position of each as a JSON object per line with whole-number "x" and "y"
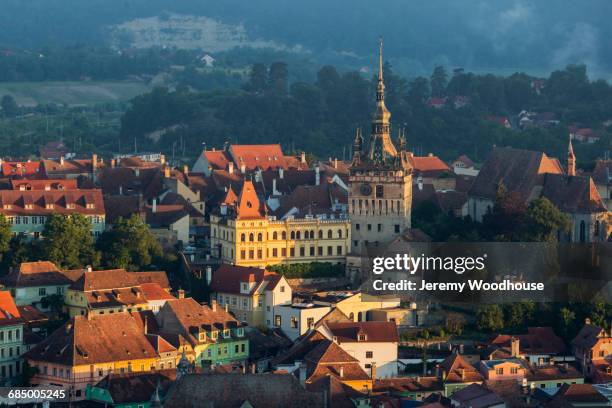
{"x": 249, "y": 205}
{"x": 23, "y": 169}
{"x": 8, "y": 310}
{"x": 13, "y": 202}
{"x": 428, "y": 165}
{"x": 217, "y": 159}
{"x": 227, "y": 278}
{"x": 118, "y": 278}
{"x": 375, "y": 332}
{"x": 40, "y": 273}
{"x": 538, "y": 340}
{"x": 459, "y": 370}
{"x": 154, "y": 291}
{"x": 44, "y": 184}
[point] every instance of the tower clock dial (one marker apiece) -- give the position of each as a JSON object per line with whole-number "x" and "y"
{"x": 365, "y": 189}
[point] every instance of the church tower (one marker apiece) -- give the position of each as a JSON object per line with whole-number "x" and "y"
{"x": 571, "y": 159}
{"x": 380, "y": 180}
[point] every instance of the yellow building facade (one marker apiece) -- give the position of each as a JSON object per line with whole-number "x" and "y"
{"x": 242, "y": 234}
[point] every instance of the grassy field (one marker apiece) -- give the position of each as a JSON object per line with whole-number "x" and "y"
{"x": 72, "y": 93}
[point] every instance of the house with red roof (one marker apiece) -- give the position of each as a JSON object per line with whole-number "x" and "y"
{"x": 592, "y": 348}
{"x": 373, "y": 344}
{"x": 250, "y": 294}
{"x": 12, "y": 339}
{"x": 27, "y": 169}
{"x": 247, "y": 158}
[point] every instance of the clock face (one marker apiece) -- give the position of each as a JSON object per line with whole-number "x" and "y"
{"x": 365, "y": 189}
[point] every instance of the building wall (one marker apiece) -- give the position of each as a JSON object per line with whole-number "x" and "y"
{"x": 383, "y": 354}
{"x": 588, "y": 221}
{"x": 33, "y": 295}
{"x": 375, "y": 217}
{"x": 295, "y": 320}
{"x": 32, "y": 226}
{"x": 505, "y": 371}
{"x": 357, "y": 307}
{"x": 181, "y": 227}
{"x": 260, "y": 242}
{"x": 479, "y": 207}
{"x": 11, "y": 349}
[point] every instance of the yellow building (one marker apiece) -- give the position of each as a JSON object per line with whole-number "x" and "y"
{"x": 243, "y": 234}
{"x": 86, "y": 349}
{"x": 112, "y": 291}
{"x": 357, "y": 306}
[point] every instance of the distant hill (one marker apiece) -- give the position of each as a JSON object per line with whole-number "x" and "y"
{"x": 498, "y": 36}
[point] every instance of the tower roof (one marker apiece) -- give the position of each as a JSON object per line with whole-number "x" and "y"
{"x": 249, "y": 205}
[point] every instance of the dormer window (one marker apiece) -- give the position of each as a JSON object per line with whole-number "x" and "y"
{"x": 28, "y": 206}
{"x": 226, "y": 333}
{"x": 202, "y": 336}
{"x": 70, "y": 206}
{"x": 213, "y": 335}
{"x": 7, "y": 206}
{"x": 240, "y": 332}
{"x": 49, "y": 206}
{"x": 90, "y": 206}
{"x": 361, "y": 337}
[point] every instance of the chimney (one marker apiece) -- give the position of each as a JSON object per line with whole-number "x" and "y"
{"x": 94, "y": 161}
{"x": 274, "y": 190}
{"x": 113, "y": 163}
{"x": 61, "y": 160}
{"x": 336, "y": 163}
{"x": 281, "y": 173}
{"x": 420, "y": 182}
{"x": 230, "y": 168}
{"x": 120, "y": 190}
{"x": 162, "y": 159}
{"x": 185, "y": 170}
{"x": 373, "y": 372}
{"x": 243, "y": 168}
{"x": 208, "y": 275}
{"x": 253, "y": 368}
{"x": 88, "y": 268}
{"x": 303, "y": 157}
{"x": 137, "y": 172}
{"x": 181, "y": 293}
{"x": 302, "y": 373}
{"x": 317, "y": 176}
{"x": 461, "y": 348}
{"x": 213, "y": 304}
{"x": 227, "y": 307}
{"x": 154, "y": 206}
{"x": 462, "y": 372}
{"x": 341, "y": 372}
{"x": 587, "y": 321}
{"x": 514, "y": 347}
{"x": 258, "y": 176}
{"x": 166, "y": 171}
{"x": 146, "y": 325}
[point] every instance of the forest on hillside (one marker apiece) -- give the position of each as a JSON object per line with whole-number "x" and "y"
{"x": 322, "y": 116}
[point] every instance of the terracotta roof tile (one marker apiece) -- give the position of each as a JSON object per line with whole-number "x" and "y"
{"x": 374, "y": 331}
{"x": 459, "y": 370}
{"x": 8, "y": 310}
{"x": 13, "y": 202}
{"x": 40, "y": 273}
{"x": 573, "y": 194}
{"x": 227, "y": 278}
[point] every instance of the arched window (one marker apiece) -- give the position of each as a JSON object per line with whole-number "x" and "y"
{"x": 259, "y": 237}
{"x": 242, "y": 237}
{"x": 284, "y": 235}
{"x": 292, "y": 234}
{"x": 298, "y": 235}
{"x": 582, "y": 231}
{"x": 329, "y": 234}
{"x": 251, "y": 237}
{"x": 596, "y": 229}
{"x": 359, "y": 317}
{"x": 320, "y": 234}
{"x": 339, "y": 233}
{"x": 274, "y": 235}
{"x": 352, "y": 316}
{"x": 311, "y": 234}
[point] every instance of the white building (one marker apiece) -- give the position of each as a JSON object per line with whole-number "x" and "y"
{"x": 374, "y": 344}
{"x": 297, "y": 318}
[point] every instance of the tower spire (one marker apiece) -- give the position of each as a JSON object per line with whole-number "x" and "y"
{"x": 381, "y": 146}
{"x": 571, "y": 159}
{"x": 380, "y": 88}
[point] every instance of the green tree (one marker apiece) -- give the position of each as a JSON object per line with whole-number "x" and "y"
{"x": 543, "y": 220}
{"x": 129, "y": 245}
{"x": 257, "y": 78}
{"x": 5, "y": 235}
{"x": 490, "y": 318}
{"x": 68, "y": 242}
{"x": 278, "y": 78}
{"x": 418, "y": 91}
{"x": 567, "y": 320}
{"x": 438, "y": 81}
{"x": 9, "y": 106}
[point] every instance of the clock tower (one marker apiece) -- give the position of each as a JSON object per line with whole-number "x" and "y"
{"x": 380, "y": 180}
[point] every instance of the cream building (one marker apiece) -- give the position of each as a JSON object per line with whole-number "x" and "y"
{"x": 243, "y": 234}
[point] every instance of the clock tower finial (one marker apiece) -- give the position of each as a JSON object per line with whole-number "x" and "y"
{"x": 381, "y": 146}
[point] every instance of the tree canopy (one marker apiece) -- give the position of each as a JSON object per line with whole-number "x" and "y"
{"x": 68, "y": 241}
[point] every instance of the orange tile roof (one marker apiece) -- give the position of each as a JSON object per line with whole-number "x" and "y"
{"x": 153, "y": 291}
{"x": 375, "y": 331}
{"x": 13, "y": 202}
{"x": 254, "y": 156}
{"x": 8, "y": 309}
{"x": 227, "y": 278}
{"x": 249, "y": 205}
{"x": 217, "y": 159}
{"x": 424, "y": 164}
{"x": 459, "y": 370}
{"x": 22, "y": 169}
{"x": 44, "y": 184}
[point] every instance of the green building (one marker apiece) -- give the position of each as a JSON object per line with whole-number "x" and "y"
{"x": 11, "y": 341}
{"x": 211, "y": 335}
